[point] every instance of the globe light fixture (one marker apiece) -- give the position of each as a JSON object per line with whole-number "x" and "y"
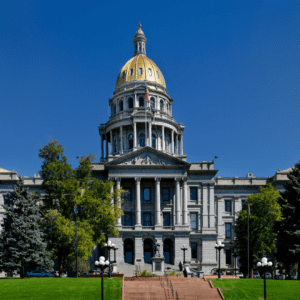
{"x": 219, "y": 246}
{"x": 115, "y": 249}
{"x": 102, "y": 264}
{"x": 109, "y": 246}
{"x": 264, "y": 264}
{"x": 183, "y": 249}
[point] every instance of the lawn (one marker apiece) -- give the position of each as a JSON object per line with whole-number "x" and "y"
{"x": 60, "y": 288}
{"x": 233, "y": 289}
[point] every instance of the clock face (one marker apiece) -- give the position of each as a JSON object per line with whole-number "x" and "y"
{"x": 150, "y": 72}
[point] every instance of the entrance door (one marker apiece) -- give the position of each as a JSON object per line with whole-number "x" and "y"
{"x": 168, "y": 251}
{"x": 148, "y": 249}
{"x": 129, "y": 251}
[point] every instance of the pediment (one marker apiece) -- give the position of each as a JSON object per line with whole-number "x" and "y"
{"x": 148, "y": 157}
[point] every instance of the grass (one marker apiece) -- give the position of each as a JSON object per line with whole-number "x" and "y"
{"x": 60, "y": 288}
{"x": 233, "y": 289}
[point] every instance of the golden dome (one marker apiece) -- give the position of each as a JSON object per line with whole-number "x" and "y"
{"x": 140, "y": 67}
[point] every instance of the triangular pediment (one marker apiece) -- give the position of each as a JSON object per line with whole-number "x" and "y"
{"x": 148, "y": 156}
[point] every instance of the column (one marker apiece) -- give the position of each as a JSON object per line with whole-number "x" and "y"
{"x": 106, "y": 139}
{"x": 121, "y": 139}
{"x": 176, "y": 144}
{"x": 205, "y": 213}
{"x": 163, "y": 137}
{"x": 178, "y": 210}
{"x": 135, "y": 100}
{"x": 157, "y": 202}
{"x": 220, "y": 222}
{"x": 138, "y": 201}
{"x": 111, "y": 143}
{"x": 119, "y": 200}
{"x": 181, "y": 145}
{"x": 184, "y": 221}
{"x": 150, "y": 134}
{"x": 172, "y": 138}
{"x": 211, "y": 206}
{"x": 111, "y": 192}
{"x": 134, "y": 136}
{"x": 102, "y": 147}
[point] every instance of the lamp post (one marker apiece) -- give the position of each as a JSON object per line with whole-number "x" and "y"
{"x": 109, "y": 246}
{"x": 235, "y": 255}
{"x": 115, "y": 249}
{"x": 183, "y": 249}
{"x": 219, "y": 246}
{"x": 102, "y": 264}
{"x": 76, "y": 213}
{"x": 264, "y": 264}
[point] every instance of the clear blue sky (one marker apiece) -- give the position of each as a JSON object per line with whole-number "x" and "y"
{"x": 232, "y": 68}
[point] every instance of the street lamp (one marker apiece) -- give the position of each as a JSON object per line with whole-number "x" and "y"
{"x": 264, "y": 264}
{"x": 219, "y": 246}
{"x": 109, "y": 246}
{"x": 102, "y": 264}
{"x": 115, "y": 249}
{"x": 76, "y": 213}
{"x": 184, "y": 249}
{"x": 235, "y": 255}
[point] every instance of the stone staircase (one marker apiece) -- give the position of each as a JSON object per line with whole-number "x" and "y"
{"x": 165, "y": 288}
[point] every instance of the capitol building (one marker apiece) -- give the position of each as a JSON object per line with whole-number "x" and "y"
{"x": 166, "y": 197}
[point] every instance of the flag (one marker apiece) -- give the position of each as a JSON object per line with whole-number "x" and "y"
{"x": 249, "y": 208}
{"x": 147, "y": 96}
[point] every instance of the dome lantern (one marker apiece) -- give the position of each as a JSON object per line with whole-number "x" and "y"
{"x": 139, "y": 42}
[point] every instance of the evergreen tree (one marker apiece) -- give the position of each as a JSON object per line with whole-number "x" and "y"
{"x": 265, "y": 211}
{"x": 288, "y": 241}
{"x": 21, "y": 240}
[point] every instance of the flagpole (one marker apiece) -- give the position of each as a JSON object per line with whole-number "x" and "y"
{"x": 248, "y": 216}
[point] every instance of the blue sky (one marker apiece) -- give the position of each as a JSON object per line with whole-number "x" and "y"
{"x": 232, "y": 68}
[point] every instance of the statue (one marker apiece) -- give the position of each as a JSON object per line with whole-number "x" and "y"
{"x": 156, "y": 246}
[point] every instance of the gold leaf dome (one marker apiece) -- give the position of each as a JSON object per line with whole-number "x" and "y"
{"x": 140, "y": 67}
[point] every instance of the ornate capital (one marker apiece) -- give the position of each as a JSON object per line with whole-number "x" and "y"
{"x": 157, "y": 179}
{"x": 177, "y": 179}
{"x": 137, "y": 179}
{"x": 184, "y": 179}
{"x": 111, "y": 179}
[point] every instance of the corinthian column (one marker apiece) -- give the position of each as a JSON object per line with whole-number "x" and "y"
{"x": 134, "y": 136}
{"x": 138, "y": 201}
{"x": 119, "y": 200}
{"x": 157, "y": 202}
{"x": 121, "y": 139}
{"x": 211, "y": 206}
{"x": 178, "y": 210}
{"x": 185, "y": 201}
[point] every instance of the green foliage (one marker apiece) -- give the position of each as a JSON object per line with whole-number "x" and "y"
{"x": 65, "y": 186}
{"x": 83, "y": 265}
{"x": 22, "y": 241}
{"x": 265, "y": 211}
{"x": 173, "y": 274}
{"x": 145, "y": 273}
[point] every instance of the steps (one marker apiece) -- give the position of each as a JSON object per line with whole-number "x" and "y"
{"x": 160, "y": 288}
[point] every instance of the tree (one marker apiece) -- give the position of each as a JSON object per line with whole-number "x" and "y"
{"x": 83, "y": 266}
{"x": 65, "y": 186}
{"x": 288, "y": 241}
{"x": 22, "y": 241}
{"x": 265, "y": 211}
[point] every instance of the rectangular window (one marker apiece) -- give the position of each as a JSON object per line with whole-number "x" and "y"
{"x": 146, "y": 219}
{"x": 228, "y": 230}
{"x": 194, "y": 250}
{"x": 166, "y": 219}
{"x": 228, "y": 256}
{"x": 228, "y": 205}
{"x": 127, "y": 195}
{"x": 128, "y": 219}
{"x": 193, "y": 194}
{"x": 147, "y": 194}
{"x": 243, "y": 202}
{"x": 165, "y": 194}
{"x": 193, "y": 221}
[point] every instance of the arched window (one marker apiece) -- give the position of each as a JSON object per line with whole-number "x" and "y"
{"x": 150, "y": 71}
{"x": 142, "y": 139}
{"x": 123, "y": 74}
{"x": 152, "y": 102}
{"x": 141, "y": 102}
{"x": 161, "y": 105}
{"x": 131, "y": 72}
{"x": 114, "y": 109}
{"x": 120, "y": 105}
{"x": 115, "y": 145}
{"x": 157, "y": 74}
{"x": 130, "y": 141}
{"x": 130, "y": 103}
{"x": 140, "y": 71}
{"x": 153, "y": 141}
{"x": 139, "y": 46}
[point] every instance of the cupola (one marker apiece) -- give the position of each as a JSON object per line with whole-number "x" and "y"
{"x": 139, "y": 42}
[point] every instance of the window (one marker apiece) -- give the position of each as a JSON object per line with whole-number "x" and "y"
{"x": 228, "y": 205}
{"x": 141, "y": 102}
{"x": 140, "y": 71}
{"x": 161, "y": 105}
{"x": 228, "y": 257}
{"x": 142, "y": 140}
{"x": 150, "y": 72}
{"x": 243, "y": 202}
{"x": 127, "y": 219}
{"x": 120, "y": 105}
{"x": 114, "y": 109}
{"x": 147, "y": 194}
{"x": 193, "y": 221}
{"x": 165, "y": 194}
{"x": 127, "y": 194}
{"x": 115, "y": 145}
{"x": 157, "y": 74}
{"x": 146, "y": 219}
{"x": 194, "y": 250}
{"x": 228, "y": 230}
{"x": 153, "y": 141}
{"x": 166, "y": 219}
{"x": 152, "y": 102}
{"x": 130, "y": 103}
{"x": 123, "y": 74}
{"x": 130, "y": 141}
{"x": 193, "y": 193}
{"x": 131, "y": 72}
